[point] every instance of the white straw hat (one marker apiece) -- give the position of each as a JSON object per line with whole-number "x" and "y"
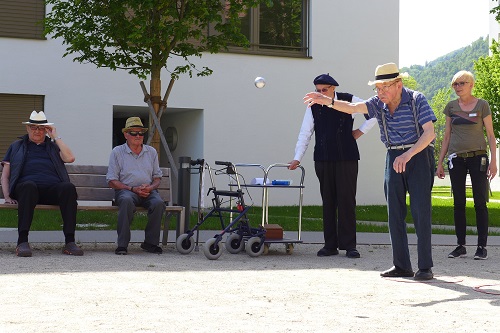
{"x": 386, "y": 73}
{"x": 37, "y": 118}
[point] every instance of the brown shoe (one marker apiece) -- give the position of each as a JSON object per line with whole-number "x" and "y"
{"x": 72, "y": 249}
{"x": 23, "y": 250}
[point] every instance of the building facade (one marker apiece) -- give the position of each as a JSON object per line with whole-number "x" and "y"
{"x": 220, "y": 117}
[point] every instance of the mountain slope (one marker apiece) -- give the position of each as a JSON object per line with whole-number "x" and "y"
{"x": 438, "y": 73}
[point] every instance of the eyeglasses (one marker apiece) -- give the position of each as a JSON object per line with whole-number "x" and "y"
{"x": 323, "y": 90}
{"x": 384, "y": 88}
{"x": 459, "y": 84}
{"x": 136, "y": 133}
{"x": 34, "y": 128}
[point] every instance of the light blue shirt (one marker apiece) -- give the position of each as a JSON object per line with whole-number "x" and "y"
{"x": 132, "y": 169}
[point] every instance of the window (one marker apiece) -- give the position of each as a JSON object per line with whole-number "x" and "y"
{"x": 280, "y": 30}
{"x": 22, "y": 18}
{"x": 14, "y": 109}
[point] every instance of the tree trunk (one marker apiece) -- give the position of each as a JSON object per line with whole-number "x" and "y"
{"x": 155, "y": 92}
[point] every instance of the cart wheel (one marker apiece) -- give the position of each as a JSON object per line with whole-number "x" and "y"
{"x": 184, "y": 244}
{"x": 266, "y": 248}
{"x": 211, "y": 249}
{"x": 289, "y": 248}
{"x": 234, "y": 243}
{"x": 253, "y": 247}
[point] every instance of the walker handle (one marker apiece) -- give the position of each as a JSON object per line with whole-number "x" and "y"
{"x": 223, "y": 163}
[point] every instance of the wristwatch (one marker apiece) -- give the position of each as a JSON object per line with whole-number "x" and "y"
{"x": 331, "y": 104}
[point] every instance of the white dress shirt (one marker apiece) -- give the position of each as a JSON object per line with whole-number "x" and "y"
{"x": 307, "y": 129}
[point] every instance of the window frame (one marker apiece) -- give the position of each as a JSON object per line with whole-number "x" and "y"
{"x": 257, "y": 48}
{"x": 22, "y": 19}
{"x": 15, "y": 109}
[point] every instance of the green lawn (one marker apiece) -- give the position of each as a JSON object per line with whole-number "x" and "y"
{"x": 286, "y": 216}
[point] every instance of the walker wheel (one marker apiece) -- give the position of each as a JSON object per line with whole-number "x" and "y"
{"x": 254, "y": 248}
{"x": 234, "y": 243}
{"x": 212, "y": 249}
{"x": 289, "y": 248}
{"x": 184, "y": 244}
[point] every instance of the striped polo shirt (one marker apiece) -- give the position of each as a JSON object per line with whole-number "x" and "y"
{"x": 401, "y": 129}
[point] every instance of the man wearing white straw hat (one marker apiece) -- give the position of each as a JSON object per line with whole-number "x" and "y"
{"x": 34, "y": 173}
{"x": 407, "y": 130}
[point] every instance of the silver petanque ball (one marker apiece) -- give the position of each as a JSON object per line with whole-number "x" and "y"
{"x": 260, "y": 82}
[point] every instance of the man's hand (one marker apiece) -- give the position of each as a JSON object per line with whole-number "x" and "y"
{"x": 399, "y": 164}
{"x": 316, "y": 98}
{"x": 357, "y": 134}
{"x": 143, "y": 191}
{"x": 293, "y": 165}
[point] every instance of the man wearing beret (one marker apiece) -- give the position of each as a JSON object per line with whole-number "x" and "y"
{"x": 336, "y": 158}
{"x": 407, "y": 130}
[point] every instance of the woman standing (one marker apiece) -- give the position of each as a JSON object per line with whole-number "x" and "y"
{"x": 466, "y": 119}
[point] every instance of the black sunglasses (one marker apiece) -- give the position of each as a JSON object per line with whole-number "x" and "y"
{"x": 137, "y": 133}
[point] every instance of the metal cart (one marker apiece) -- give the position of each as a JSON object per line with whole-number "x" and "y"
{"x": 289, "y": 242}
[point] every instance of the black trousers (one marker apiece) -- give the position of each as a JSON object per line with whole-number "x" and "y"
{"x": 480, "y": 188}
{"x": 28, "y": 195}
{"x": 338, "y": 183}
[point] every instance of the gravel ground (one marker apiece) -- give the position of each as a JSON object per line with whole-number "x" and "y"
{"x": 277, "y": 292}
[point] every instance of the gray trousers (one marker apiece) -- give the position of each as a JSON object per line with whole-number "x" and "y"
{"x": 127, "y": 202}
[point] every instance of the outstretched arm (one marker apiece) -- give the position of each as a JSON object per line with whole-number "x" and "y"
{"x": 343, "y": 106}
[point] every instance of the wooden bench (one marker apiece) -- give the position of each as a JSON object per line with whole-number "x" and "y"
{"x": 95, "y": 194}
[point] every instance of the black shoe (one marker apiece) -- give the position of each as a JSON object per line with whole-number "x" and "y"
{"x": 324, "y": 252}
{"x": 460, "y": 251}
{"x": 396, "y": 272}
{"x": 121, "y": 250}
{"x": 424, "y": 274}
{"x": 481, "y": 253}
{"x": 24, "y": 250}
{"x": 352, "y": 253}
{"x": 151, "y": 248}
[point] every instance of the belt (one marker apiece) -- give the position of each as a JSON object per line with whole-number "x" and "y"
{"x": 403, "y": 147}
{"x": 472, "y": 153}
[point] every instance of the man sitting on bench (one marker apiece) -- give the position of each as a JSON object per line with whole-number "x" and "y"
{"x": 134, "y": 172}
{"x": 34, "y": 173}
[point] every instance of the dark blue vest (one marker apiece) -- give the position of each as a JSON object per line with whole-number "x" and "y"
{"x": 333, "y": 133}
{"x": 18, "y": 150}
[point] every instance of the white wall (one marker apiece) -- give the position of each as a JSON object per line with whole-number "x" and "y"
{"x": 239, "y": 122}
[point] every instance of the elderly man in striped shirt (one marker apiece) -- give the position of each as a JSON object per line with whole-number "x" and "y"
{"x": 406, "y": 127}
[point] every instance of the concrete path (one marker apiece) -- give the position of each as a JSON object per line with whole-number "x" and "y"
{"x": 297, "y": 293}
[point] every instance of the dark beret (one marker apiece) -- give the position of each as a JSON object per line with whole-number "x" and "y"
{"x": 325, "y": 79}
